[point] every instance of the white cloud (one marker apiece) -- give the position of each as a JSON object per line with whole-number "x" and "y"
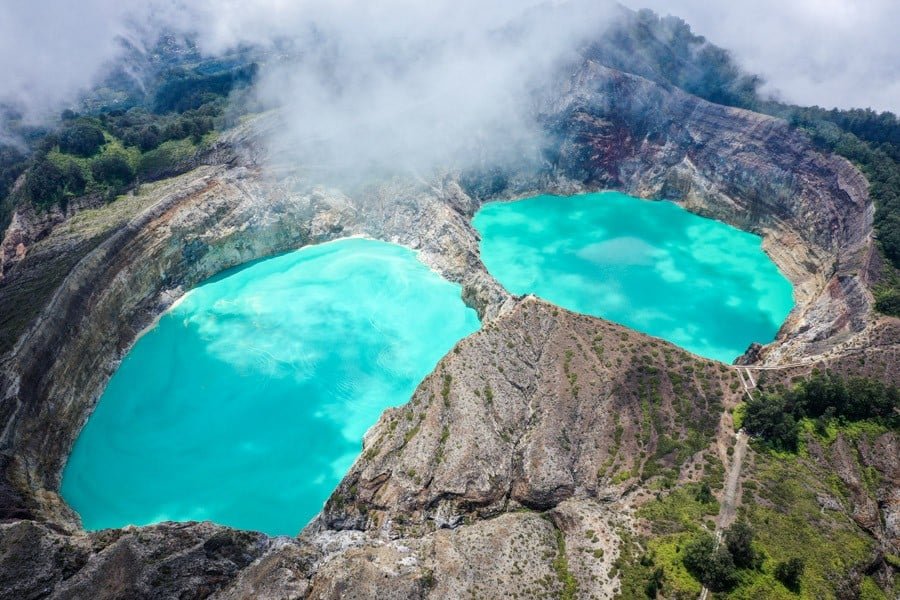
{"x": 402, "y": 81}
{"x": 840, "y": 53}
{"x": 49, "y": 50}
{"x": 415, "y": 80}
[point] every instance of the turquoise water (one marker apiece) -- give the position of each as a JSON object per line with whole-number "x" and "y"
{"x": 651, "y": 266}
{"x": 248, "y": 402}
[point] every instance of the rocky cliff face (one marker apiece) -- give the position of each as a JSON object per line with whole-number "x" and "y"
{"x": 752, "y": 171}
{"x": 533, "y": 432}
{"x": 501, "y": 463}
{"x": 540, "y": 406}
{"x": 176, "y": 235}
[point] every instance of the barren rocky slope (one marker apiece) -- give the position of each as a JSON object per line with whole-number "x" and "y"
{"x": 539, "y": 429}
{"x": 525, "y": 437}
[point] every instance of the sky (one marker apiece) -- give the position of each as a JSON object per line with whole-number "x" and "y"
{"x": 827, "y": 52}
{"x": 843, "y": 53}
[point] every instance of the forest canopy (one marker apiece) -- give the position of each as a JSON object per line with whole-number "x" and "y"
{"x": 775, "y": 416}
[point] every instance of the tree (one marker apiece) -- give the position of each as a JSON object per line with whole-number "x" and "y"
{"x": 145, "y": 138}
{"x": 184, "y": 91}
{"x": 739, "y": 541}
{"x": 704, "y": 494}
{"x": 774, "y": 416}
{"x": 769, "y": 416}
{"x": 75, "y": 182}
{"x": 887, "y": 300}
{"x": 654, "y": 584}
{"x": 712, "y": 566}
{"x": 720, "y": 574}
{"x": 697, "y": 554}
{"x": 12, "y": 164}
{"x": 45, "y": 183}
{"x": 48, "y": 183}
{"x": 82, "y": 139}
{"x": 788, "y": 572}
{"x": 113, "y": 170}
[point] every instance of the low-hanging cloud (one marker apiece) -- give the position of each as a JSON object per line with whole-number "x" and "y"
{"x": 52, "y": 50}
{"x": 403, "y": 82}
{"x": 411, "y": 87}
{"x": 832, "y": 53}
{"x": 412, "y": 84}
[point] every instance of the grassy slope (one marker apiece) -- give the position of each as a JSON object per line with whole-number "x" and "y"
{"x": 780, "y": 493}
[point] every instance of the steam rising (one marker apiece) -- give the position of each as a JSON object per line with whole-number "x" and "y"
{"x": 413, "y": 88}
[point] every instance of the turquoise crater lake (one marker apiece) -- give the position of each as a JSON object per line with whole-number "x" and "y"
{"x": 248, "y": 401}
{"x": 651, "y": 266}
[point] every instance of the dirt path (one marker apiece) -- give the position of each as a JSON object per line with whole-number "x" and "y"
{"x": 730, "y": 497}
{"x": 745, "y": 376}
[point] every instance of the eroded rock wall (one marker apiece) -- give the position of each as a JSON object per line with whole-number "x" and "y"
{"x": 753, "y": 171}
{"x": 541, "y": 406}
{"x": 183, "y": 233}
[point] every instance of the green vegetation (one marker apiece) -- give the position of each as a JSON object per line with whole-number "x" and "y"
{"x": 737, "y": 415}
{"x": 788, "y": 572}
{"x": 674, "y": 518}
{"x": 872, "y": 142}
{"x": 446, "y": 382}
{"x": 48, "y": 183}
{"x": 712, "y": 566}
{"x": 683, "y": 509}
{"x": 739, "y": 542}
{"x": 782, "y": 546}
{"x": 776, "y": 416}
{"x": 113, "y": 170}
{"x": 734, "y": 561}
{"x": 665, "y": 49}
{"x": 561, "y": 567}
{"x": 83, "y": 138}
{"x": 87, "y": 157}
{"x": 109, "y": 150}
{"x": 639, "y": 575}
{"x": 12, "y": 163}
{"x": 665, "y": 555}
{"x": 185, "y": 90}
{"x": 721, "y": 567}
{"x": 411, "y": 434}
{"x": 169, "y": 158}
{"x": 869, "y": 590}
{"x": 704, "y": 494}
{"x": 790, "y": 526}
{"x": 887, "y": 294}
{"x": 570, "y": 375}
{"x": 654, "y": 584}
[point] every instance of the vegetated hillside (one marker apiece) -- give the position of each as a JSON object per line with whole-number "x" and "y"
{"x": 126, "y": 133}
{"x": 819, "y": 494}
{"x": 550, "y": 455}
{"x": 666, "y": 50}
{"x": 163, "y": 126}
